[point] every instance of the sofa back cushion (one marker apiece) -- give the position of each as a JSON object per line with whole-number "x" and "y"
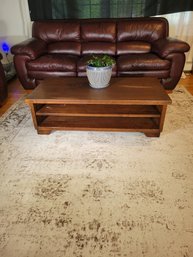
{"x": 55, "y": 31}
{"x": 98, "y": 37}
{"x": 98, "y": 31}
{"x": 142, "y": 29}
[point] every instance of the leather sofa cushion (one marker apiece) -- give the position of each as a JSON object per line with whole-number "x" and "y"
{"x": 133, "y": 47}
{"x": 98, "y": 48}
{"x": 98, "y": 31}
{"x": 82, "y": 63}
{"x": 141, "y": 62}
{"x": 56, "y": 31}
{"x": 140, "y": 30}
{"x": 65, "y": 48}
{"x": 54, "y": 62}
{"x": 50, "y": 74}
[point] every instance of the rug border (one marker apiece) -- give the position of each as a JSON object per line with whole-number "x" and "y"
{"x": 12, "y": 107}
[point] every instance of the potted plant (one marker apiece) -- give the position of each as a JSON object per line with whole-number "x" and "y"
{"x": 99, "y": 70}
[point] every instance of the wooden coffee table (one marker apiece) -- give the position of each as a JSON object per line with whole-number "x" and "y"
{"x": 128, "y": 104}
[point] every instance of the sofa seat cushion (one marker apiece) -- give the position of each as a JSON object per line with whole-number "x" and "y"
{"x": 140, "y": 62}
{"x": 82, "y": 63}
{"x": 64, "y": 48}
{"x": 98, "y": 48}
{"x": 133, "y": 47}
{"x": 54, "y": 62}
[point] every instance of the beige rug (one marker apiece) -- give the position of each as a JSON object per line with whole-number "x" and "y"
{"x": 95, "y": 194}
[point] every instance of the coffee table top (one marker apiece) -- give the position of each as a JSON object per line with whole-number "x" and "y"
{"x": 122, "y": 90}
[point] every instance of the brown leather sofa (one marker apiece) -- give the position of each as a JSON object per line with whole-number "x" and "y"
{"x": 141, "y": 47}
{"x": 3, "y": 85}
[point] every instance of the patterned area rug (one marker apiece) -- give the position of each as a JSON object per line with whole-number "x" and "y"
{"x": 97, "y": 194}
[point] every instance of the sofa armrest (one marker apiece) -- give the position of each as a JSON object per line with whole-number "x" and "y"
{"x": 31, "y": 47}
{"x": 166, "y": 46}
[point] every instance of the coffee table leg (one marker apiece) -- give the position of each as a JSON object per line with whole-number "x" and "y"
{"x": 33, "y": 113}
{"x": 43, "y": 132}
{"x": 152, "y": 134}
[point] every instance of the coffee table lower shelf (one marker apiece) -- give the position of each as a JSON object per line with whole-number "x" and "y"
{"x": 146, "y": 125}
{"x": 129, "y": 118}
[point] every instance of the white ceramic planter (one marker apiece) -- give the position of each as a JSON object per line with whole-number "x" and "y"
{"x": 99, "y": 77}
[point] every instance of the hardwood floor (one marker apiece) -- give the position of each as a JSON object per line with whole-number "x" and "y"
{"x": 187, "y": 82}
{"x": 16, "y": 91}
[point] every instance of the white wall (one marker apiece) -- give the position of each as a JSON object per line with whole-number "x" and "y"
{"x": 15, "y": 24}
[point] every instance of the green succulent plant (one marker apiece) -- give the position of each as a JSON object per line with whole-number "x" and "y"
{"x": 101, "y": 61}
